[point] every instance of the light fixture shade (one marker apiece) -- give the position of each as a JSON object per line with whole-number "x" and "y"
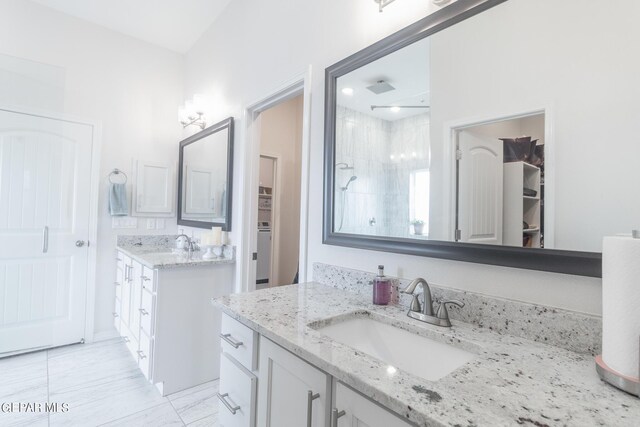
{"x": 199, "y": 104}
{"x": 183, "y": 116}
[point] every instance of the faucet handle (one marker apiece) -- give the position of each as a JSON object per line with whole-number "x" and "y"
{"x": 415, "y": 304}
{"x": 442, "y": 312}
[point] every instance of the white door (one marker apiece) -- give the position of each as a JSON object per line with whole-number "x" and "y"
{"x": 45, "y": 181}
{"x": 290, "y": 391}
{"x": 480, "y": 191}
{"x": 354, "y": 410}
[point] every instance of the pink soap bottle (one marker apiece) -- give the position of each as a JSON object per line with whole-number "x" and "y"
{"x": 381, "y": 288}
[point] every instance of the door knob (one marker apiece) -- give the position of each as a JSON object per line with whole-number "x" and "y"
{"x": 79, "y": 243}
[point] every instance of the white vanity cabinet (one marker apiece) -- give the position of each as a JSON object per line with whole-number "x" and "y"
{"x": 165, "y": 318}
{"x": 290, "y": 391}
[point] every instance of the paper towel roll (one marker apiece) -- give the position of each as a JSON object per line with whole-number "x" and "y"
{"x": 621, "y": 305}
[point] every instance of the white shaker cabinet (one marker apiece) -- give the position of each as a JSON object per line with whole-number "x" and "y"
{"x": 351, "y": 409}
{"x": 167, "y": 322}
{"x": 291, "y": 392}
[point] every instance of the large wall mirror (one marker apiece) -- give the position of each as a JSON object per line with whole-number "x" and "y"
{"x": 500, "y": 132}
{"x": 205, "y": 177}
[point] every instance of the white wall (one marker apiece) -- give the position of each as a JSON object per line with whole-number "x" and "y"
{"x": 256, "y": 46}
{"x": 132, "y": 88}
{"x": 281, "y": 137}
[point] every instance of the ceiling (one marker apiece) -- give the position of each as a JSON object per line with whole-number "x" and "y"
{"x": 172, "y": 24}
{"x": 407, "y": 70}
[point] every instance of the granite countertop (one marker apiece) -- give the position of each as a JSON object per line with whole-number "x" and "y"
{"x": 157, "y": 252}
{"x": 511, "y": 381}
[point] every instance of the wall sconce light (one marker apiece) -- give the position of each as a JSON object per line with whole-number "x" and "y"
{"x": 383, "y": 3}
{"x": 192, "y": 113}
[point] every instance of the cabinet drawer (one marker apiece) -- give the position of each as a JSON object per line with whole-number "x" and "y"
{"x": 148, "y": 279}
{"x": 130, "y": 340}
{"x": 240, "y": 342}
{"x": 146, "y": 312}
{"x": 118, "y": 286}
{"x": 360, "y": 411}
{"x": 120, "y": 260}
{"x": 116, "y": 314}
{"x": 237, "y": 394}
{"x": 144, "y": 355}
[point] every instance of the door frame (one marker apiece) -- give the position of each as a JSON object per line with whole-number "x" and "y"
{"x": 275, "y": 222}
{"x": 450, "y": 134}
{"x": 96, "y": 149}
{"x": 298, "y": 85}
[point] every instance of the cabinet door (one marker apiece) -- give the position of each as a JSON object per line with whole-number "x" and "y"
{"x": 354, "y": 410}
{"x": 291, "y": 392}
{"x": 153, "y": 189}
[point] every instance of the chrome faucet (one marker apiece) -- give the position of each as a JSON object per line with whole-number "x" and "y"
{"x": 425, "y": 312}
{"x": 191, "y": 245}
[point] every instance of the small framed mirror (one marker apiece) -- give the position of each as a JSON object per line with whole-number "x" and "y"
{"x": 205, "y": 177}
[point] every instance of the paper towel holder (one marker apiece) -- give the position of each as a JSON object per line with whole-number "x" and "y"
{"x": 616, "y": 379}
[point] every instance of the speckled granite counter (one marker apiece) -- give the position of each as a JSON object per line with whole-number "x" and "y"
{"x": 512, "y": 381}
{"x": 156, "y": 252}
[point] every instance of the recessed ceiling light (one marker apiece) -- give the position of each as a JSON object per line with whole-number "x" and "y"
{"x": 347, "y": 91}
{"x": 395, "y": 109}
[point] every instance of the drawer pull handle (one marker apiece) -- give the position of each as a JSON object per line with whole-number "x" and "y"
{"x": 223, "y": 399}
{"x": 115, "y": 314}
{"x": 310, "y": 398}
{"x": 335, "y": 414}
{"x": 116, "y": 283}
{"x": 143, "y": 311}
{"x": 126, "y": 339}
{"x": 118, "y": 259}
{"x": 145, "y": 278}
{"x": 141, "y": 354}
{"x": 228, "y": 338}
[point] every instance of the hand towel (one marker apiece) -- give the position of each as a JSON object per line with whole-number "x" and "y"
{"x": 118, "y": 200}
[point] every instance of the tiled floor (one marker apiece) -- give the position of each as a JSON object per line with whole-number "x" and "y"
{"x": 102, "y": 386}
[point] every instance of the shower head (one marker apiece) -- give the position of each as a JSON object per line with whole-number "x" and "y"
{"x": 353, "y": 178}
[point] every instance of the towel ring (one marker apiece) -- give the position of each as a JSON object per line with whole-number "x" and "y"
{"x": 118, "y": 172}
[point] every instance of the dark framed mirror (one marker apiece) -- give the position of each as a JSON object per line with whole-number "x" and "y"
{"x": 205, "y": 177}
{"x": 466, "y": 137}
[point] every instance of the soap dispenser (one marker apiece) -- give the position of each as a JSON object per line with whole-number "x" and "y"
{"x": 381, "y": 288}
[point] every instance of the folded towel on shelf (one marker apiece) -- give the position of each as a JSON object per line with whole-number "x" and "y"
{"x": 118, "y": 205}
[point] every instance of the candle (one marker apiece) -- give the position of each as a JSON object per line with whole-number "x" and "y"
{"x": 216, "y": 234}
{"x": 225, "y": 238}
{"x": 206, "y": 239}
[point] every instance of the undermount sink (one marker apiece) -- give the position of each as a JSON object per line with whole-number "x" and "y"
{"x": 418, "y": 355}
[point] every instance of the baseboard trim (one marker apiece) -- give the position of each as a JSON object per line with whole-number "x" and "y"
{"x": 105, "y": 335}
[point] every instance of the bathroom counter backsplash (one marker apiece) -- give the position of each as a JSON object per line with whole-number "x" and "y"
{"x": 572, "y": 331}
{"x": 511, "y": 380}
{"x": 157, "y": 252}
